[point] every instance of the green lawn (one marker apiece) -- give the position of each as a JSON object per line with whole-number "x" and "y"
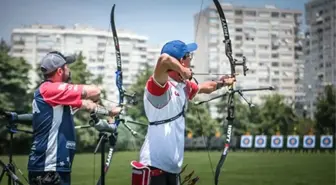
{"x": 239, "y": 169}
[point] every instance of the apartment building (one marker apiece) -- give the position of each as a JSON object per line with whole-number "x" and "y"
{"x": 300, "y": 94}
{"x": 266, "y": 36}
{"x": 34, "y": 41}
{"x": 320, "y": 49}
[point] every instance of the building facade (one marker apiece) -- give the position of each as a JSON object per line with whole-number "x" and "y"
{"x": 266, "y": 36}
{"x": 97, "y": 46}
{"x": 320, "y": 50}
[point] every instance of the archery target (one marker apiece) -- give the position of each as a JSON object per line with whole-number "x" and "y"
{"x": 308, "y": 141}
{"x": 260, "y": 141}
{"x": 277, "y": 141}
{"x": 326, "y": 141}
{"x": 246, "y": 141}
{"x": 292, "y": 141}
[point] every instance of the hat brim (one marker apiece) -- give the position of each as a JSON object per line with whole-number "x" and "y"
{"x": 70, "y": 59}
{"x": 191, "y": 47}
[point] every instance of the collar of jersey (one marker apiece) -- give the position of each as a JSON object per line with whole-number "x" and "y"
{"x": 174, "y": 82}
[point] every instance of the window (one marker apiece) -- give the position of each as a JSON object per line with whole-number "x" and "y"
{"x": 100, "y": 68}
{"x": 264, "y": 55}
{"x": 213, "y": 13}
{"x": 239, "y": 38}
{"x": 213, "y": 38}
{"x": 239, "y": 29}
{"x": 289, "y": 65}
{"x": 238, "y": 21}
{"x": 265, "y": 47}
{"x": 275, "y": 55}
{"x": 250, "y": 13}
{"x": 125, "y": 54}
{"x": 287, "y": 88}
{"x": 275, "y": 64}
{"x": 238, "y": 12}
{"x": 213, "y": 20}
{"x": 275, "y": 14}
{"x": 239, "y": 55}
{"x": 275, "y": 80}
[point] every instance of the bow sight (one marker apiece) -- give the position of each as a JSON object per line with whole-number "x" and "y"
{"x": 243, "y": 63}
{"x": 131, "y": 98}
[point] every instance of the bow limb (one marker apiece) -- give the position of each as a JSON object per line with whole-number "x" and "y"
{"x": 230, "y": 116}
{"x": 119, "y": 77}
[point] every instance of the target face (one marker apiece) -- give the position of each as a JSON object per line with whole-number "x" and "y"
{"x": 326, "y": 141}
{"x": 245, "y": 141}
{"x": 260, "y": 141}
{"x": 277, "y": 141}
{"x": 309, "y": 141}
{"x": 293, "y": 141}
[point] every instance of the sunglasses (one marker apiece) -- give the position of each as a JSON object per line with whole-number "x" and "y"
{"x": 188, "y": 55}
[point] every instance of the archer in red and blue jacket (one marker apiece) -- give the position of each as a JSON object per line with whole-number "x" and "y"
{"x": 54, "y": 140}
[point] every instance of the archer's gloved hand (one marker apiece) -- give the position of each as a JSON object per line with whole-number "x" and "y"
{"x": 227, "y": 80}
{"x": 104, "y": 126}
{"x": 115, "y": 111}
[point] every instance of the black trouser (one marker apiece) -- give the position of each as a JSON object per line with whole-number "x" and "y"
{"x": 165, "y": 178}
{"x": 49, "y": 178}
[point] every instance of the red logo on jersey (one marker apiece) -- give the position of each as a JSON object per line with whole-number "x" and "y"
{"x": 176, "y": 93}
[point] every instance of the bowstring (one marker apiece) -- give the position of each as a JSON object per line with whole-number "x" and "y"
{"x": 94, "y": 154}
{"x": 198, "y": 114}
{"x": 94, "y": 170}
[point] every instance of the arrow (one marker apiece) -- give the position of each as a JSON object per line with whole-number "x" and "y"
{"x": 212, "y": 74}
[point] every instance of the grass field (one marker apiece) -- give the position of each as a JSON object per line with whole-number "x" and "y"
{"x": 239, "y": 169}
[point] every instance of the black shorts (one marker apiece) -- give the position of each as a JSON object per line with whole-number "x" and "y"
{"x": 49, "y": 178}
{"x": 165, "y": 178}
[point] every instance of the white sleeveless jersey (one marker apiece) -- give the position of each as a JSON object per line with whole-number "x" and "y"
{"x": 163, "y": 147}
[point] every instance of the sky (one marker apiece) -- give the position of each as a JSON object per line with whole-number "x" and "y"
{"x": 159, "y": 20}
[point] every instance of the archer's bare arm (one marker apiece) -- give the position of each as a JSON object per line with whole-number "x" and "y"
{"x": 166, "y": 63}
{"x": 211, "y": 86}
{"x": 207, "y": 87}
{"x": 91, "y": 92}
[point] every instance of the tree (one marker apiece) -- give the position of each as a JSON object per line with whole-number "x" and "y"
{"x": 276, "y": 115}
{"x": 242, "y": 123}
{"x": 325, "y": 111}
{"x": 137, "y": 112}
{"x": 14, "y": 81}
{"x": 199, "y": 121}
{"x": 304, "y": 126}
{"x": 14, "y": 84}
